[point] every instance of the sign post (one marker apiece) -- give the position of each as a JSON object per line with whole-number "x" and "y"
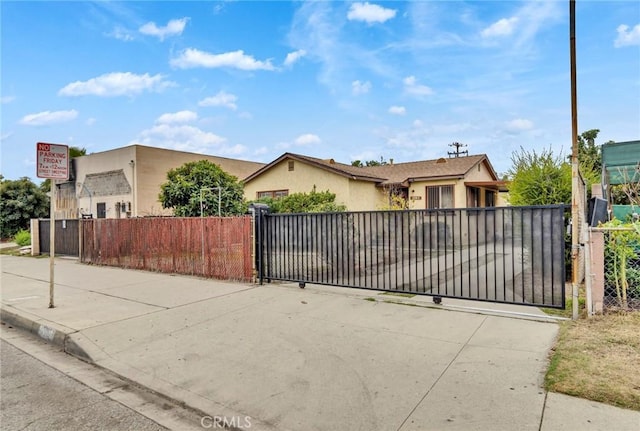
{"x": 52, "y": 162}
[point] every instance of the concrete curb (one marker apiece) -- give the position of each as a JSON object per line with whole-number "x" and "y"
{"x": 45, "y": 330}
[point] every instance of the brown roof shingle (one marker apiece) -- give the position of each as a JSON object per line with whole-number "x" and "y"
{"x": 392, "y": 173}
{"x": 427, "y": 169}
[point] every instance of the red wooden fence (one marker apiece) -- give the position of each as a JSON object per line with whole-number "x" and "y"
{"x": 213, "y": 247}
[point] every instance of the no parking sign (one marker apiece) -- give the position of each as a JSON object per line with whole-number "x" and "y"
{"x": 52, "y": 161}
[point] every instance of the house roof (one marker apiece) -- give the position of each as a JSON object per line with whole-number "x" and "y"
{"x": 392, "y": 173}
{"x": 405, "y": 173}
{"x": 331, "y": 165}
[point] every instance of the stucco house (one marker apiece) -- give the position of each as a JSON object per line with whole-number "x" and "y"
{"x": 460, "y": 182}
{"x": 125, "y": 182}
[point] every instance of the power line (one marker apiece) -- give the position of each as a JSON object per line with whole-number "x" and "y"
{"x": 457, "y": 152}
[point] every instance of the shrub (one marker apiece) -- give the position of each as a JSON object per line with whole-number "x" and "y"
{"x": 314, "y": 202}
{"x": 22, "y": 238}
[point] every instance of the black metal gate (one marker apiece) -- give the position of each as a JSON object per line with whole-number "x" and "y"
{"x": 67, "y": 237}
{"x": 502, "y": 254}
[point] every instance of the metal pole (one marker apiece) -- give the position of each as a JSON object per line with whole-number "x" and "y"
{"x": 588, "y": 282}
{"x": 219, "y": 201}
{"x": 134, "y": 208}
{"x": 201, "y": 206}
{"x": 575, "y": 224}
{"x": 202, "y": 228}
{"x": 52, "y": 241}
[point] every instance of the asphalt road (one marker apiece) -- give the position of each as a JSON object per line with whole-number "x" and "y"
{"x": 35, "y": 396}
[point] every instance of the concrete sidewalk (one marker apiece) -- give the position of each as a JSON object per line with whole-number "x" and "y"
{"x": 322, "y": 358}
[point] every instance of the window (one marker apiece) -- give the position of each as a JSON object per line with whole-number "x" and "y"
{"x": 490, "y": 198}
{"x": 101, "y": 210}
{"x": 439, "y": 197}
{"x": 291, "y": 165}
{"x": 272, "y": 194}
{"x": 473, "y": 197}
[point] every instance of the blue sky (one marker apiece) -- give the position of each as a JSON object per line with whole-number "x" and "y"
{"x": 329, "y": 79}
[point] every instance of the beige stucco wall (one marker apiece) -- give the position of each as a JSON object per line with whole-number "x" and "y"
{"x": 418, "y": 189}
{"x": 103, "y": 162}
{"x": 479, "y": 173}
{"x": 356, "y": 195}
{"x": 418, "y": 193}
{"x": 145, "y": 169}
{"x": 365, "y": 196}
{"x": 152, "y": 165}
{"x": 484, "y": 174}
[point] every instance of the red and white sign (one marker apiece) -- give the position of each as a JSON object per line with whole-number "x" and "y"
{"x": 52, "y": 161}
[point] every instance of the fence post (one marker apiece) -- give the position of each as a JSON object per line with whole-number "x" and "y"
{"x": 259, "y": 211}
{"x": 35, "y": 237}
{"x": 588, "y": 277}
{"x": 80, "y": 239}
{"x": 597, "y": 270}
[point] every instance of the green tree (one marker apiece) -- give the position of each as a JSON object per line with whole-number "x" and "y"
{"x": 20, "y": 201}
{"x": 539, "y": 179}
{"x": 188, "y": 183}
{"x": 313, "y": 202}
{"x": 360, "y": 164}
{"x": 73, "y": 153}
{"x": 589, "y": 153}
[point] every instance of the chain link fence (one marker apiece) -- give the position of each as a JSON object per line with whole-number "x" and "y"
{"x": 213, "y": 247}
{"x": 622, "y": 269}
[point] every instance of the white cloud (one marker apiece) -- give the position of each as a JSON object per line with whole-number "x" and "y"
{"x": 317, "y": 27}
{"x": 369, "y": 13}
{"x": 359, "y": 87}
{"x": 48, "y": 117}
{"x": 294, "y": 56}
{"x": 503, "y": 27}
{"x": 221, "y": 99}
{"x": 90, "y": 121}
{"x": 5, "y": 136}
{"x": 522, "y": 27}
{"x": 121, "y": 34}
{"x": 518, "y": 125}
{"x": 7, "y": 99}
{"x": 261, "y": 151}
{"x": 627, "y": 37}
{"x": 307, "y": 139}
{"x": 173, "y": 28}
{"x": 191, "y": 57}
{"x": 397, "y": 110}
{"x": 185, "y": 138}
{"x": 533, "y": 16}
{"x": 425, "y": 141}
{"x": 177, "y": 117}
{"x": 412, "y": 87}
{"x": 304, "y": 140}
{"x": 116, "y": 84}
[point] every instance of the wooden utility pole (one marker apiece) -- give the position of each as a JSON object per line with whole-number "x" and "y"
{"x": 575, "y": 172}
{"x": 457, "y": 152}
